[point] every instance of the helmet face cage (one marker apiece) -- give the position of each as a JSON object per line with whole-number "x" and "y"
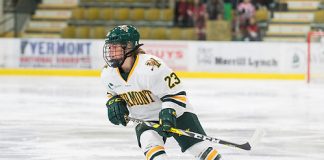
{"x": 119, "y": 40}
{"x": 114, "y": 54}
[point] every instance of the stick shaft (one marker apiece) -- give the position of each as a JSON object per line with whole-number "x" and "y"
{"x": 180, "y": 132}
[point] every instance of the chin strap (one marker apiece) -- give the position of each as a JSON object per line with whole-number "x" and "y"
{"x": 128, "y": 54}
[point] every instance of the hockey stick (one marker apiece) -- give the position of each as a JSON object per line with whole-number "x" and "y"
{"x": 180, "y": 132}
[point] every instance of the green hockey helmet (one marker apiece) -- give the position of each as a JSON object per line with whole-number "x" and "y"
{"x": 122, "y": 35}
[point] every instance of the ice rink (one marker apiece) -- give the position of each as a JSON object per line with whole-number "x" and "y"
{"x": 64, "y": 118}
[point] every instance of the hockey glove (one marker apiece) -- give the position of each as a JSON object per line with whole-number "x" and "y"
{"x": 117, "y": 110}
{"x": 167, "y": 120}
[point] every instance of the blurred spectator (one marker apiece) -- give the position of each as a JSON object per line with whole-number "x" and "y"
{"x": 233, "y": 2}
{"x": 181, "y": 13}
{"x": 263, "y": 3}
{"x": 245, "y": 10}
{"x": 198, "y": 15}
{"x": 252, "y": 31}
{"x": 215, "y": 9}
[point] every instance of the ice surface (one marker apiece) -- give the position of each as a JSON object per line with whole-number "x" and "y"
{"x": 64, "y": 118}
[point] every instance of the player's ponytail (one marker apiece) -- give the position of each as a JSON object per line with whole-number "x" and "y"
{"x": 140, "y": 51}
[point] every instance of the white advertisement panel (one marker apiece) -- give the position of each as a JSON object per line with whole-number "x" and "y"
{"x": 174, "y": 53}
{"x": 9, "y": 51}
{"x": 242, "y": 57}
{"x": 56, "y": 53}
{"x": 293, "y": 57}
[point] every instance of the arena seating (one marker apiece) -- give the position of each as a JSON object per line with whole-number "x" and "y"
{"x": 295, "y": 21}
{"x": 93, "y": 19}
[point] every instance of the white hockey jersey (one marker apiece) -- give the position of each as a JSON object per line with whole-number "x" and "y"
{"x": 150, "y": 86}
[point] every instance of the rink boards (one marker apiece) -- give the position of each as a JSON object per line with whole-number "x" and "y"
{"x": 190, "y": 59}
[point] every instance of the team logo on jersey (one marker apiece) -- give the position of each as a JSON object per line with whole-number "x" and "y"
{"x": 153, "y": 63}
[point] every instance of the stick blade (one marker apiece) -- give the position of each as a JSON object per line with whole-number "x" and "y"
{"x": 245, "y": 146}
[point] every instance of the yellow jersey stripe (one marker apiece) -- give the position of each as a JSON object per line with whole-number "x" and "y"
{"x": 212, "y": 155}
{"x": 153, "y": 150}
{"x": 182, "y": 99}
{"x": 134, "y": 66}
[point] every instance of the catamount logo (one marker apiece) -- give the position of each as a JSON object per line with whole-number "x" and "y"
{"x": 124, "y": 27}
{"x": 153, "y": 63}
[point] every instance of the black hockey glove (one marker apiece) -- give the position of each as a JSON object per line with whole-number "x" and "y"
{"x": 117, "y": 110}
{"x": 167, "y": 120}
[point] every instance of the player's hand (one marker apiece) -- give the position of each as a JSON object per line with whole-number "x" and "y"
{"x": 167, "y": 120}
{"x": 117, "y": 110}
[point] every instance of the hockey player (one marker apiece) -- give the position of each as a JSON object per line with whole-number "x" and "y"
{"x": 144, "y": 87}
